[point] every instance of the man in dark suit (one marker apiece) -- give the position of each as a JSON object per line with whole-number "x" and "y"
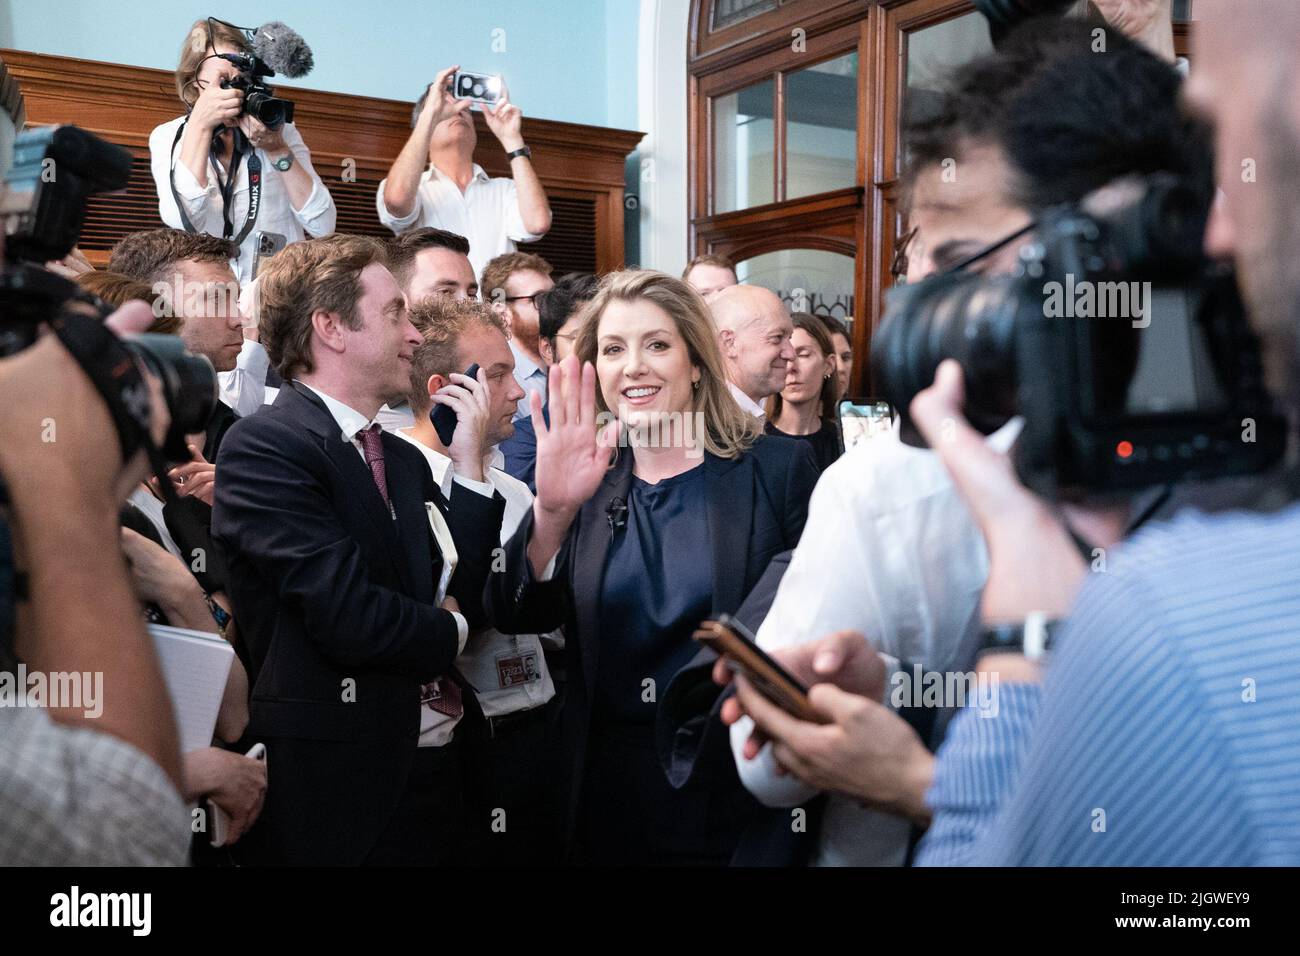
{"x": 339, "y": 545}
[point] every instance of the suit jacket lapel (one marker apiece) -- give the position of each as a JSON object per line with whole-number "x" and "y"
{"x": 590, "y": 551}
{"x": 317, "y": 419}
{"x": 729, "y": 487}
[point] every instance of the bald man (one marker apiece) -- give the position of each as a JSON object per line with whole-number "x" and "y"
{"x": 754, "y": 330}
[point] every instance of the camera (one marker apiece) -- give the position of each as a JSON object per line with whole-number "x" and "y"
{"x": 260, "y": 101}
{"x": 1124, "y": 349}
{"x": 42, "y": 216}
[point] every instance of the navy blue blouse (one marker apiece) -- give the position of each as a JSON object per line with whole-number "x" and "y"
{"x": 658, "y": 588}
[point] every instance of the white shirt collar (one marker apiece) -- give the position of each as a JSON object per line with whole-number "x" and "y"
{"x": 440, "y": 463}
{"x": 745, "y": 402}
{"x": 480, "y": 174}
{"x": 350, "y": 421}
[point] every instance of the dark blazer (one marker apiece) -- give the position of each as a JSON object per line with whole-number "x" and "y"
{"x": 757, "y": 503}
{"x": 335, "y": 601}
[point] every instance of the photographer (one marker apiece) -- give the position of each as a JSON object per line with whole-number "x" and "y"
{"x": 201, "y": 161}
{"x": 1164, "y": 654}
{"x": 74, "y": 792}
{"x": 435, "y": 182}
{"x": 890, "y": 550}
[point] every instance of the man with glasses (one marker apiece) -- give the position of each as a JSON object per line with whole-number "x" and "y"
{"x": 511, "y": 284}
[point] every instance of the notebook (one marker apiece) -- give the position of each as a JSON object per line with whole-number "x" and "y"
{"x": 195, "y": 666}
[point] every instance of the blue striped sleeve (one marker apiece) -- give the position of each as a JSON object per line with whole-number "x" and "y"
{"x": 974, "y": 771}
{"x": 1128, "y": 765}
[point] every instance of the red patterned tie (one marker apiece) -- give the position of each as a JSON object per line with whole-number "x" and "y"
{"x": 373, "y": 448}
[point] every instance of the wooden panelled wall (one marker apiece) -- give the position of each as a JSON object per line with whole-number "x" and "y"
{"x": 862, "y": 220}
{"x": 353, "y": 140}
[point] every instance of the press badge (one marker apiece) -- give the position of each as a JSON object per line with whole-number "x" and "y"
{"x": 518, "y": 666}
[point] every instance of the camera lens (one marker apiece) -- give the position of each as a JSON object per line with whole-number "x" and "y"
{"x": 969, "y": 318}
{"x": 189, "y": 384}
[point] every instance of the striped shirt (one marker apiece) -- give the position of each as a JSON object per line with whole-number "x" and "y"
{"x": 1169, "y": 728}
{"x": 974, "y": 770}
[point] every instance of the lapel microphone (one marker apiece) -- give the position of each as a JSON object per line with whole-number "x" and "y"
{"x": 616, "y": 514}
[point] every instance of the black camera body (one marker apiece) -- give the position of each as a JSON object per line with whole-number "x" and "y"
{"x": 260, "y": 101}
{"x": 55, "y": 170}
{"x": 1127, "y": 353}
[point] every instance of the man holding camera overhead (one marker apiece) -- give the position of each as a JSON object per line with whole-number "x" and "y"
{"x": 435, "y": 182}
{"x": 203, "y": 162}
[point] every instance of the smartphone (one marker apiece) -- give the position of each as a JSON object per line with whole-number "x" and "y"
{"x": 479, "y": 87}
{"x": 220, "y": 820}
{"x": 862, "y": 418}
{"x": 730, "y": 639}
{"x": 443, "y": 417}
{"x": 265, "y": 245}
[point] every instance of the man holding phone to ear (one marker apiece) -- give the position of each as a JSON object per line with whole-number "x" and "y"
{"x": 435, "y": 182}
{"x": 509, "y": 765}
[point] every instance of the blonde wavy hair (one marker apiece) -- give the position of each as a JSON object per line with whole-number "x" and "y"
{"x": 196, "y": 49}
{"x": 728, "y": 430}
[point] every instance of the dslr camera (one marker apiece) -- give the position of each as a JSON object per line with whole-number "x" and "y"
{"x": 1125, "y": 350}
{"x": 42, "y": 217}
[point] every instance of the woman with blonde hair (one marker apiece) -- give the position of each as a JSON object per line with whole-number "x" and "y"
{"x": 805, "y": 408}
{"x": 665, "y": 517}
{"x": 203, "y": 162}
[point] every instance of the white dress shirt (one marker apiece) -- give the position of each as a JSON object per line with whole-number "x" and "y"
{"x": 890, "y": 550}
{"x": 486, "y": 213}
{"x": 745, "y": 402}
{"x": 203, "y": 205}
{"x": 507, "y": 671}
{"x": 531, "y": 378}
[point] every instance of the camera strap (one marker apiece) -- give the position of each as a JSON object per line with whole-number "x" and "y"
{"x": 227, "y": 188}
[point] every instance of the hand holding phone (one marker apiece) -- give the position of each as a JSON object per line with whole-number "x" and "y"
{"x": 443, "y": 417}
{"x": 733, "y": 642}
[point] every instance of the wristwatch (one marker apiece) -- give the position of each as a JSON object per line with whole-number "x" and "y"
{"x": 283, "y": 163}
{"x": 523, "y": 151}
{"x": 1032, "y": 638}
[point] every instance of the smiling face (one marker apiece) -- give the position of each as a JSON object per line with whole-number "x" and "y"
{"x": 378, "y": 354}
{"x": 643, "y": 363}
{"x": 808, "y": 371}
{"x": 437, "y": 271}
{"x": 754, "y": 334}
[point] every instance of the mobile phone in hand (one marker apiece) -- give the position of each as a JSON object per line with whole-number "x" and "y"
{"x": 443, "y": 417}
{"x": 730, "y": 639}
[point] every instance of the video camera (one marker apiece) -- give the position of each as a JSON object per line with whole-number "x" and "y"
{"x": 272, "y": 46}
{"x": 1126, "y": 351}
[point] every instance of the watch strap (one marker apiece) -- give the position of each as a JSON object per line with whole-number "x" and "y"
{"x": 1032, "y": 637}
{"x": 521, "y": 151}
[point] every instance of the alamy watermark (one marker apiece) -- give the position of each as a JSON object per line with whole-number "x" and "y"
{"x": 63, "y": 690}
{"x": 658, "y": 429}
{"x": 1085, "y": 299}
{"x": 922, "y": 688}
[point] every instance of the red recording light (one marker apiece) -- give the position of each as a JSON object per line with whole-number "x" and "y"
{"x": 1124, "y": 449}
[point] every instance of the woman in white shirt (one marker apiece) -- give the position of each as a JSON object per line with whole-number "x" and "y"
{"x": 192, "y": 157}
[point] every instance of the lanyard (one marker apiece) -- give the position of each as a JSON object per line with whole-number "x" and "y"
{"x": 227, "y": 188}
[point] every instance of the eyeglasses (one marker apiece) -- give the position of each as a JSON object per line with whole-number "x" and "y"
{"x": 898, "y": 267}
{"x": 524, "y": 298}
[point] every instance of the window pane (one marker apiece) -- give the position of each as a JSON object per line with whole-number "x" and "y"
{"x": 808, "y": 280}
{"x": 933, "y": 52}
{"x": 1182, "y": 10}
{"x": 821, "y": 138}
{"x": 727, "y": 13}
{"x": 744, "y": 143}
